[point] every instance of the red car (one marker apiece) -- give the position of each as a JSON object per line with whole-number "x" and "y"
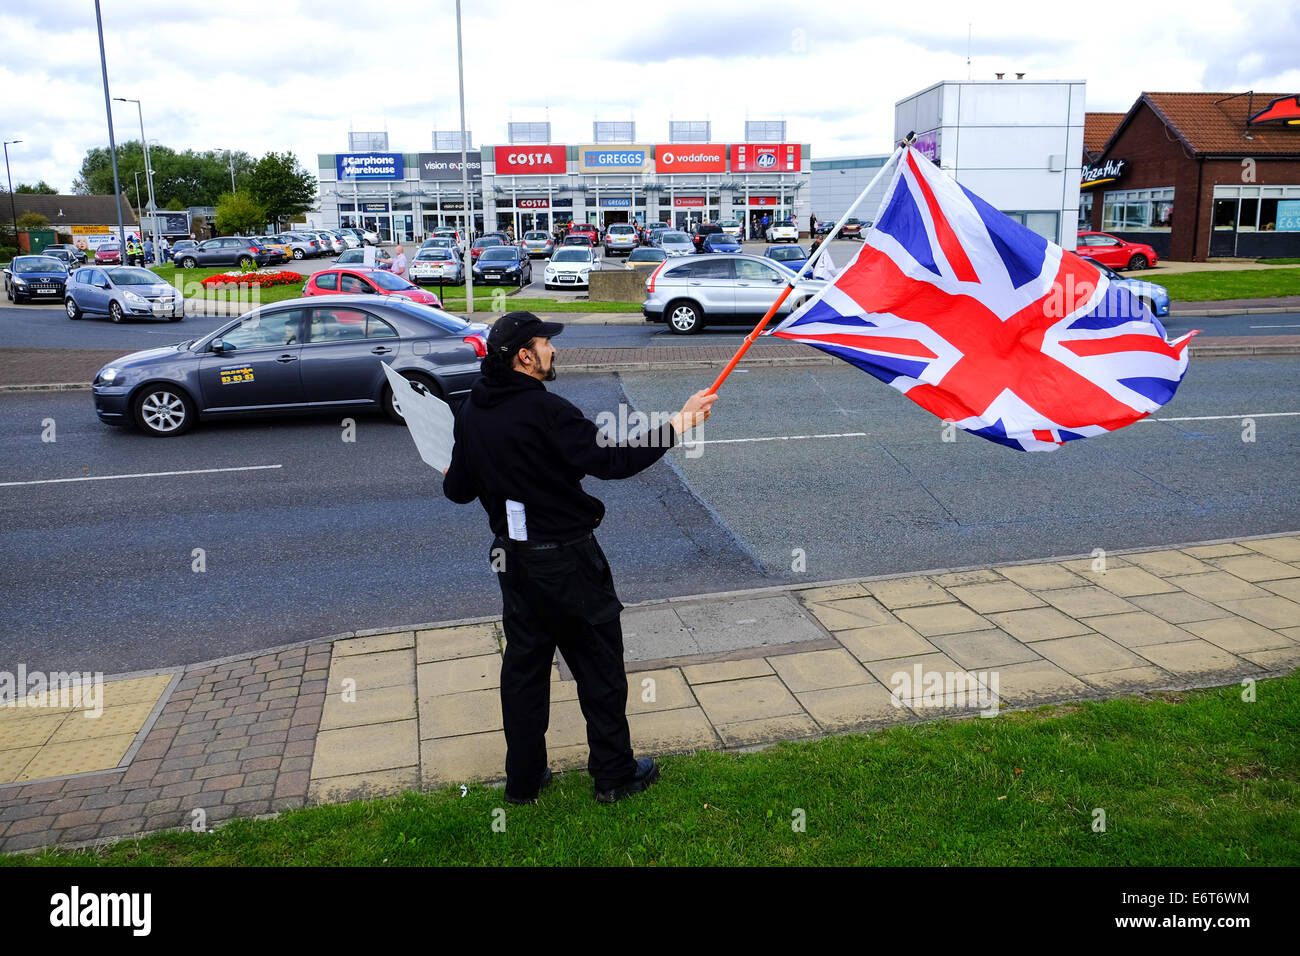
{"x": 109, "y": 254}
{"x": 1115, "y": 252}
{"x": 585, "y": 229}
{"x": 367, "y": 281}
{"x": 487, "y": 242}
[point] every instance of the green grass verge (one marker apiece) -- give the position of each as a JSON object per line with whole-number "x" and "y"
{"x": 514, "y": 303}
{"x": 1228, "y": 284}
{"x": 1279, "y": 262}
{"x": 1187, "y": 779}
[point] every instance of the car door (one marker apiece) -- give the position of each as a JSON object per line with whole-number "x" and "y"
{"x": 711, "y": 282}
{"x": 757, "y": 286}
{"x": 1108, "y": 251}
{"x": 341, "y": 360}
{"x": 263, "y": 370}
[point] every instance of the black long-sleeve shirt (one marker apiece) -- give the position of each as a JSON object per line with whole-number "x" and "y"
{"x": 515, "y": 440}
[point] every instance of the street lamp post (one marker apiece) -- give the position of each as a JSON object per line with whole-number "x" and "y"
{"x": 464, "y": 172}
{"x": 230, "y": 156}
{"x": 148, "y": 173}
{"x": 13, "y": 209}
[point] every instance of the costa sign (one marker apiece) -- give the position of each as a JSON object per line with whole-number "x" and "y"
{"x": 530, "y": 160}
{"x": 534, "y": 204}
{"x": 765, "y": 157}
{"x": 690, "y": 158}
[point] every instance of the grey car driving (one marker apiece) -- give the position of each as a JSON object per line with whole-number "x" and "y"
{"x": 121, "y": 292}
{"x": 302, "y": 355}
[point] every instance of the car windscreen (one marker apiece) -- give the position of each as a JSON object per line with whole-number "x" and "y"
{"x": 434, "y": 255}
{"x": 578, "y": 241}
{"x": 133, "y": 277}
{"x": 536, "y": 235}
{"x": 109, "y": 247}
{"x": 389, "y": 282}
{"x": 619, "y": 228}
{"x": 671, "y": 237}
{"x": 729, "y": 224}
{"x": 485, "y": 243}
{"x": 352, "y": 255}
{"x": 428, "y": 313}
{"x": 28, "y": 264}
{"x": 721, "y": 239}
{"x": 572, "y": 255}
{"x": 788, "y": 254}
{"x": 646, "y": 255}
{"x": 499, "y": 254}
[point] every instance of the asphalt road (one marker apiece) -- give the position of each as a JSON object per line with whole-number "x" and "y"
{"x": 46, "y": 326}
{"x": 338, "y": 536}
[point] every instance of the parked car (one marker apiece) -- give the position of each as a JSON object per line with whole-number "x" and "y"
{"x": 651, "y": 230}
{"x": 32, "y": 277}
{"x": 720, "y": 242}
{"x": 302, "y": 247}
{"x": 435, "y": 263}
{"x": 702, "y": 231}
{"x": 584, "y": 229}
{"x": 63, "y": 255}
{"x": 368, "y": 237}
{"x": 225, "y": 251}
{"x": 784, "y": 230}
{"x": 674, "y": 243}
{"x": 349, "y": 239}
{"x": 483, "y": 242}
{"x": 792, "y": 257}
{"x": 505, "y": 264}
{"x": 294, "y": 356}
{"x": 119, "y": 292}
{"x": 358, "y": 280}
{"x": 329, "y": 242}
{"x": 180, "y": 246}
{"x": 621, "y": 237}
{"x": 357, "y": 257}
{"x": 645, "y": 258}
{"x": 281, "y": 251}
{"x": 581, "y": 241}
{"x": 852, "y": 229}
{"x": 108, "y": 253}
{"x": 1115, "y": 252}
{"x": 731, "y": 227}
{"x": 539, "y": 243}
{"x": 689, "y": 293}
{"x": 569, "y": 267}
{"x": 79, "y": 256}
{"x": 1154, "y": 297}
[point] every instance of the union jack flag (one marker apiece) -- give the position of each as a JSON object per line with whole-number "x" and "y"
{"x": 986, "y": 324}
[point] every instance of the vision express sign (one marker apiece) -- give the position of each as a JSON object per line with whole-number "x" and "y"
{"x": 446, "y": 166}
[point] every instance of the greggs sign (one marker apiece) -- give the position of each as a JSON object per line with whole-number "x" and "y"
{"x": 690, "y": 158}
{"x": 530, "y": 160}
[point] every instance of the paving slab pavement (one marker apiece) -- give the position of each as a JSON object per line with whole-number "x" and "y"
{"x": 376, "y": 713}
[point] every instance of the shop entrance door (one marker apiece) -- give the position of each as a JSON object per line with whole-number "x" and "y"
{"x": 380, "y": 224}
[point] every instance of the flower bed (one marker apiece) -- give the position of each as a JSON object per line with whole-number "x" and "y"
{"x": 253, "y": 279}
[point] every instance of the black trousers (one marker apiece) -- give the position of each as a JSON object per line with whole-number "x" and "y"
{"x": 561, "y": 597}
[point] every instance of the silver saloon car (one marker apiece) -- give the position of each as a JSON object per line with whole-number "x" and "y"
{"x": 122, "y": 292}
{"x": 718, "y": 288}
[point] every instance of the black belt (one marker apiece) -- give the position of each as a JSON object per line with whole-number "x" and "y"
{"x": 542, "y": 545}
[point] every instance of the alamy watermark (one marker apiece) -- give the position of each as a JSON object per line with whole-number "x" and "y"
{"x": 636, "y": 429}
{"x": 24, "y": 688}
{"x": 962, "y": 690}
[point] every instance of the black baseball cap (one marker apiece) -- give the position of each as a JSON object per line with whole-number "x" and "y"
{"x": 514, "y": 330}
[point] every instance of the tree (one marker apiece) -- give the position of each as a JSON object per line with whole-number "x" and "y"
{"x": 42, "y": 188}
{"x": 239, "y": 213}
{"x": 190, "y": 178}
{"x": 284, "y": 189}
{"x": 174, "y": 205}
{"x": 32, "y": 220}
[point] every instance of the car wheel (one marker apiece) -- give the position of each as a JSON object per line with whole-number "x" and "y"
{"x": 164, "y": 411}
{"x": 189, "y": 263}
{"x": 297, "y": 253}
{"x": 1138, "y": 262}
{"x": 176, "y": 318}
{"x": 245, "y": 262}
{"x": 115, "y": 312}
{"x": 684, "y": 318}
{"x": 391, "y": 410}
{"x": 9, "y": 293}
{"x": 74, "y": 313}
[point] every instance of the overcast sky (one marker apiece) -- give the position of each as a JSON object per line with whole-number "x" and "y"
{"x": 297, "y": 75}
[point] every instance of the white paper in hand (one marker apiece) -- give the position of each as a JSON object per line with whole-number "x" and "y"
{"x": 428, "y": 419}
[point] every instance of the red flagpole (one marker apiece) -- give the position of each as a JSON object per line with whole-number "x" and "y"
{"x": 749, "y": 339}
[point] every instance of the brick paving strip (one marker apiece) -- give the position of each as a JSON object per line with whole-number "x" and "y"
{"x": 419, "y": 707}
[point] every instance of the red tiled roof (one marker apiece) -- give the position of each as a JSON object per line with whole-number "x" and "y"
{"x": 1097, "y": 129}
{"x": 1216, "y": 123}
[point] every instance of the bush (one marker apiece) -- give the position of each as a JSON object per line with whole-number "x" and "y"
{"x": 7, "y": 253}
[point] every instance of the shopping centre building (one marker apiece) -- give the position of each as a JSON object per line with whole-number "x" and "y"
{"x": 532, "y": 183}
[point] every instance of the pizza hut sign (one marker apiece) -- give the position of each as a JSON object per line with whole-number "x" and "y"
{"x": 1106, "y": 172}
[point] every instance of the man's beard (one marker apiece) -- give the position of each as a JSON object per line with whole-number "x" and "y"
{"x": 550, "y": 371}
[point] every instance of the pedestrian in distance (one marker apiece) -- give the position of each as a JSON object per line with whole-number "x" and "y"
{"x": 397, "y": 264}
{"x": 523, "y": 451}
{"x": 164, "y": 250}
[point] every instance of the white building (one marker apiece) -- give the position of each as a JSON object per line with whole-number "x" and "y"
{"x": 1018, "y": 144}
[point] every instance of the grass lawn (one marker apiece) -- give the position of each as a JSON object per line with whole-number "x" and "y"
{"x": 1279, "y": 262}
{"x": 1229, "y": 284}
{"x": 1195, "y": 778}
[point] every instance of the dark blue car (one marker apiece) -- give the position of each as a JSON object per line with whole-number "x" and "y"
{"x": 792, "y": 257}
{"x": 720, "y": 242}
{"x": 302, "y": 355}
{"x": 35, "y": 277}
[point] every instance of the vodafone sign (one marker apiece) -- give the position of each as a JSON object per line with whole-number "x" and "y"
{"x": 530, "y": 160}
{"x": 765, "y": 157}
{"x": 690, "y": 158}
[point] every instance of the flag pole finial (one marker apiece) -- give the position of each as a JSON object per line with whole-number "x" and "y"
{"x": 909, "y": 139}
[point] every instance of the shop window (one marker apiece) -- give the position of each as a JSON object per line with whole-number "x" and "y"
{"x": 1085, "y": 212}
{"x": 1225, "y": 214}
{"x": 1248, "y": 216}
{"x": 1138, "y": 210}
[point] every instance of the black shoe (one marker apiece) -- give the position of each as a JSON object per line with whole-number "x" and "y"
{"x": 647, "y": 772}
{"x": 546, "y": 782}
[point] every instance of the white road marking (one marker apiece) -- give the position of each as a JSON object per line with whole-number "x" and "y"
{"x": 154, "y": 474}
{"x": 734, "y": 441}
{"x": 1216, "y": 418}
{"x": 1275, "y": 326}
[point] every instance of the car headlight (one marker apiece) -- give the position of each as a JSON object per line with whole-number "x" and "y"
{"x": 136, "y": 301}
{"x": 584, "y": 271}
{"x": 18, "y": 280}
{"x": 108, "y": 376}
